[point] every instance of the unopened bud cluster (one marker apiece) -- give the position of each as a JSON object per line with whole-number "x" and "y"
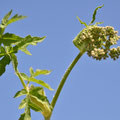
{"x": 97, "y": 41}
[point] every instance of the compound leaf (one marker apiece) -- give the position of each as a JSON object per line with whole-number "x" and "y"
{"x": 5, "y": 19}
{"x": 27, "y": 41}
{"x": 15, "y": 18}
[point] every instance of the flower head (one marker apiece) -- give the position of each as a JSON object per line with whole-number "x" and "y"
{"x": 97, "y": 41}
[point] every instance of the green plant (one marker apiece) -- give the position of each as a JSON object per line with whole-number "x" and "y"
{"x": 96, "y": 40}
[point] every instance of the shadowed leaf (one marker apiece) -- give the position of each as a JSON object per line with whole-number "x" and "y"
{"x": 14, "y": 61}
{"x": 8, "y": 39}
{"x": 22, "y": 116}
{"x": 3, "y": 62}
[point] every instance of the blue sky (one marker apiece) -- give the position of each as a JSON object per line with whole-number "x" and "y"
{"x": 92, "y": 91}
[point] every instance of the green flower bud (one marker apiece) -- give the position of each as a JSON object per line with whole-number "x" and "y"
{"x": 97, "y": 42}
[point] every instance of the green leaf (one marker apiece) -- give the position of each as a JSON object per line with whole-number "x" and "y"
{"x": 5, "y": 19}
{"x": 40, "y": 82}
{"x": 94, "y": 14}
{"x": 97, "y": 23}
{"x": 24, "y": 76}
{"x": 31, "y": 71}
{"x": 22, "y": 104}
{"x": 2, "y": 51}
{"x": 27, "y": 109}
{"x": 39, "y": 92}
{"x": 44, "y": 106}
{"x": 15, "y": 18}
{"x": 24, "y": 49}
{"x": 27, "y": 41}
{"x": 22, "y": 116}
{"x": 81, "y": 21}
{"x": 20, "y": 93}
{"x": 14, "y": 61}
{"x": 41, "y": 72}
{"x": 8, "y": 39}
{"x": 39, "y": 101}
{"x": 34, "y": 107}
{"x": 3, "y": 63}
{"x": 26, "y": 115}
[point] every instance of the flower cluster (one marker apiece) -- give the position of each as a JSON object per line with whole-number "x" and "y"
{"x": 97, "y": 41}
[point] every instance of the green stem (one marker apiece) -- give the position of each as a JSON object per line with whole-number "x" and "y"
{"x": 55, "y": 98}
{"x": 22, "y": 81}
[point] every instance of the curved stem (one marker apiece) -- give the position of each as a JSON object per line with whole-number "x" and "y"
{"x": 55, "y": 98}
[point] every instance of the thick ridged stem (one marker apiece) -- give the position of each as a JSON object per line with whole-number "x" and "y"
{"x": 55, "y": 98}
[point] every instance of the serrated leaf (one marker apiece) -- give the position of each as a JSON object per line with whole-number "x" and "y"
{"x": 27, "y": 41}
{"x": 81, "y": 21}
{"x": 14, "y": 61}
{"x": 40, "y": 82}
{"x": 3, "y": 63}
{"x": 15, "y": 18}
{"x": 8, "y": 39}
{"x": 22, "y": 104}
{"x": 20, "y": 93}
{"x": 41, "y": 72}
{"x": 94, "y": 14}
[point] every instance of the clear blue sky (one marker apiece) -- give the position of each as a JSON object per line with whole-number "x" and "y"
{"x": 92, "y": 91}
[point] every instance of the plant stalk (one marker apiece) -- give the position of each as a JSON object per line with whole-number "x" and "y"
{"x": 22, "y": 81}
{"x": 55, "y": 98}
